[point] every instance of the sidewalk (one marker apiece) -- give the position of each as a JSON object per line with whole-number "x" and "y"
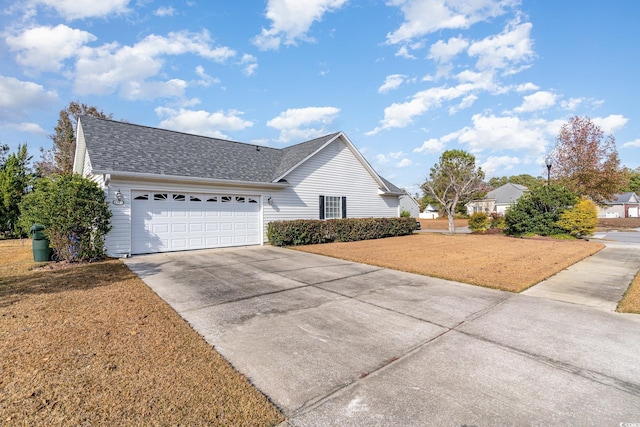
{"x": 598, "y": 281}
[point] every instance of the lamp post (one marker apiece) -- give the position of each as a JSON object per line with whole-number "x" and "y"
{"x": 549, "y": 162}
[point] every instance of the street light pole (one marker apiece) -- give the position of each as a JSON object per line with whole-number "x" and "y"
{"x": 549, "y": 162}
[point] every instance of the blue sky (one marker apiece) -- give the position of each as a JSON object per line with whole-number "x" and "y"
{"x": 404, "y": 79}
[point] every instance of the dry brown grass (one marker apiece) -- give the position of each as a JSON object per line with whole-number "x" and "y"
{"x": 93, "y": 345}
{"x": 493, "y": 261}
{"x": 605, "y": 224}
{"x": 441, "y": 223}
{"x": 630, "y": 302}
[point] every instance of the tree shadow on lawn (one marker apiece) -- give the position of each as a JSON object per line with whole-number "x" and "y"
{"x": 14, "y": 287}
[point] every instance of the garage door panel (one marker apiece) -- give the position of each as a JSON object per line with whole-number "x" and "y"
{"x": 165, "y": 221}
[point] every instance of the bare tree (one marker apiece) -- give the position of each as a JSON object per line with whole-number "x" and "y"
{"x": 453, "y": 180}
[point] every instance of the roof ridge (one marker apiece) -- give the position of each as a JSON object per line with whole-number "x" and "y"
{"x": 180, "y": 132}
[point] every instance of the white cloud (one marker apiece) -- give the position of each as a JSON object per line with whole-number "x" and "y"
{"x": 381, "y": 159}
{"x": 426, "y": 16}
{"x": 294, "y": 123}
{"x": 508, "y": 133}
{"x": 526, "y": 87}
{"x": 466, "y": 102}
{"x": 431, "y": 145}
{"x": 445, "y": 51}
{"x": 71, "y": 9}
{"x": 110, "y": 68}
{"x": 503, "y": 51}
{"x": 396, "y": 155}
{"x": 45, "y": 48}
{"x": 632, "y": 144}
{"x": 205, "y": 79}
{"x": 291, "y": 20}
{"x": 399, "y": 115}
{"x": 250, "y": 64}
{"x": 540, "y": 100}
{"x": 572, "y": 103}
{"x": 26, "y": 127}
{"x": 611, "y": 123}
{"x": 392, "y": 82}
{"x": 165, "y": 11}
{"x": 404, "y": 163}
{"x": 202, "y": 122}
{"x": 503, "y": 163}
{"x": 17, "y": 95}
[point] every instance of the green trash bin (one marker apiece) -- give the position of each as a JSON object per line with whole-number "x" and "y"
{"x": 40, "y": 244}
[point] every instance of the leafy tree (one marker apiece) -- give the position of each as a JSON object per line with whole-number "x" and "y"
{"x": 528, "y": 181}
{"x": 586, "y": 162}
{"x": 15, "y": 179}
{"x": 454, "y": 179}
{"x": 74, "y": 213}
{"x": 538, "y": 211}
{"x": 4, "y": 149}
{"x": 580, "y": 220}
{"x": 59, "y": 160}
{"x": 634, "y": 180}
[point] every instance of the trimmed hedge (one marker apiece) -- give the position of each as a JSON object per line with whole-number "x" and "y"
{"x": 312, "y": 231}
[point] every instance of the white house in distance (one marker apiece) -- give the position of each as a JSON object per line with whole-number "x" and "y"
{"x": 409, "y": 204}
{"x": 497, "y": 200}
{"x": 626, "y": 205}
{"x": 172, "y": 191}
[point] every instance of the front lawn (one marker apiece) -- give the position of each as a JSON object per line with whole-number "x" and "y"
{"x": 93, "y": 345}
{"x": 493, "y": 261}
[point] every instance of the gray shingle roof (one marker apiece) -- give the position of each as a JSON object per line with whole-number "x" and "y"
{"x": 124, "y": 147}
{"x": 507, "y": 193}
{"x": 624, "y": 198}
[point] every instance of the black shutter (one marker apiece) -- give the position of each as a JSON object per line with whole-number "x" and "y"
{"x": 321, "y": 207}
{"x": 344, "y": 206}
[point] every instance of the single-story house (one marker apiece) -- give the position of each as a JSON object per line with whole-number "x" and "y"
{"x": 172, "y": 191}
{"x": 626, "y": 205}
{"x": 497, "y": 200}
{"x": 429, "y": 212}
{"x": 409, "y": 204}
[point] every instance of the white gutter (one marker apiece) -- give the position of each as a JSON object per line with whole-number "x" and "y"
{"x": 178, "y": 178}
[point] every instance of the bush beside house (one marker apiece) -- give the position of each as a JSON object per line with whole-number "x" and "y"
{"x": 74, "y": 214}
{"x": 308, "y": 232}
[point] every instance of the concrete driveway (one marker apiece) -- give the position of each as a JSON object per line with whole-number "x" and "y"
{"x": 338, "y": 343}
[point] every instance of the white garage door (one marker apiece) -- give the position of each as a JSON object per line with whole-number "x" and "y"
{"x": 165, "y": 221}
{"x": 633, "y": 212}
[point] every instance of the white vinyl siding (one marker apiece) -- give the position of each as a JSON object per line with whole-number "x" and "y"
{"x": 333, "y": 171}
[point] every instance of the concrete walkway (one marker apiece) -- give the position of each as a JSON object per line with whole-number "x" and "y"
{"x": 333, "y": 342}
{"x": 599, "y": 281}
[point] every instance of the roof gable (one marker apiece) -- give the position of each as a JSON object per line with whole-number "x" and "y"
{"x": 507, "y": 193}
{"x": 624, "y": 198}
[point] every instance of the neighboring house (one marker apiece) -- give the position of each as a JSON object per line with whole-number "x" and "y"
{"x": 429, "y": 213}
{"x": 409, "y": 204}
{"x": 497, "y": 200}
{"x": 172, "y": 191}
{"x": 625, "y": 205}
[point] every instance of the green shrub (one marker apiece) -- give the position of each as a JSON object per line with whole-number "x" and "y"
{"x": 74, "y": 213}
{"x": 308, "y": 232}
{"x": 479, "y": 222}
{"x": 405, "y": 214}
{"x": 538, "y": 211}
{"x": 580, "y": 220}
{"x": 496, "y": 221}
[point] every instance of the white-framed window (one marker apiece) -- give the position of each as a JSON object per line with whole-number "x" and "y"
{"x": 333, "y": 207}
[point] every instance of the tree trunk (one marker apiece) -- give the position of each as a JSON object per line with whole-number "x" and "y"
{"x": 452, "y": 224}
